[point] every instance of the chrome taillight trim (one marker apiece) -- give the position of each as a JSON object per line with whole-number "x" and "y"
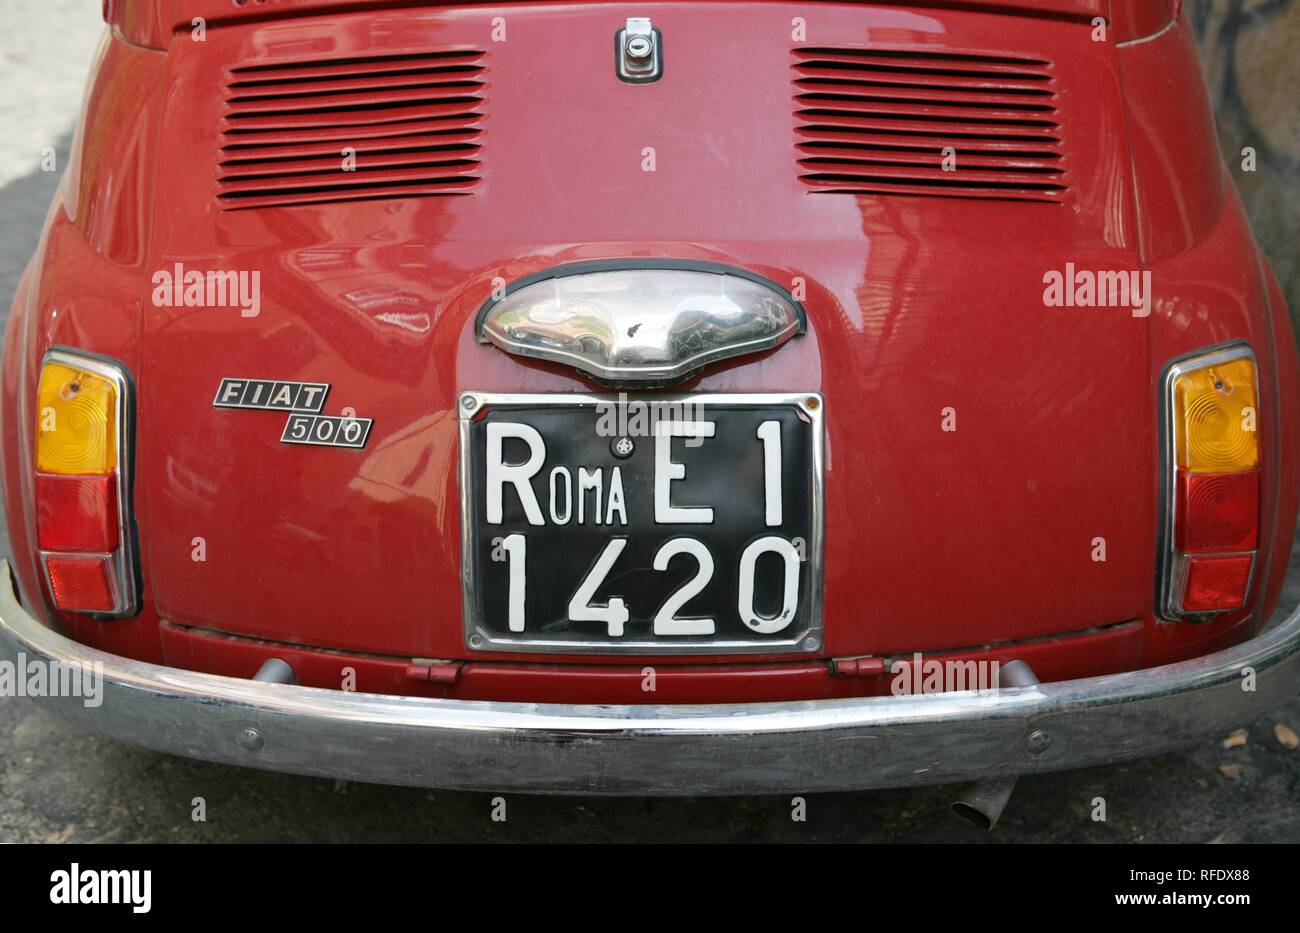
{"x": 125, "y": 588}
{"x": 1170, "y": 564}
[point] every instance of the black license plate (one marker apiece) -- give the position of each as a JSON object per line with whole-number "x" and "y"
{"x": 645, "y": 524}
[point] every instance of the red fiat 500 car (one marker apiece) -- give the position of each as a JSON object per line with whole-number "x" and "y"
{"x": 651, "y": 398}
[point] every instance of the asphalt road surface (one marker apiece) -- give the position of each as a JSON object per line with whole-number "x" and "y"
{"x": 60, "y": 784}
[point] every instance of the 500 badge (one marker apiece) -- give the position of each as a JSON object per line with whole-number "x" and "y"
{"x": 304, "y": 402}
{"x": 327, "y": 430}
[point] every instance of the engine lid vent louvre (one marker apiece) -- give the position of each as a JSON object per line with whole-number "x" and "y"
{"x": 411, "y": 123}
{"x": 878, "y": 121}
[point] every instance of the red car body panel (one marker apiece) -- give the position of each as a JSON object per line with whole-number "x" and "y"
{"x": 974, "y": 542}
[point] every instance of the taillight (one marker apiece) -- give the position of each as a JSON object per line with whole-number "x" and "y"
{"x": 82, "y": 492}
{"x": 1212, "y": 463}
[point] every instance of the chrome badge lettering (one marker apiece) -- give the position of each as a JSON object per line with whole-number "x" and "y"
{"x": 271, "y": 395}
{"x": 327, "y": 430}
{"x": 304, "y": 402}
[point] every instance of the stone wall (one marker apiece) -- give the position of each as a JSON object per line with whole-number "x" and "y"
{"x": 1250, "y": 51}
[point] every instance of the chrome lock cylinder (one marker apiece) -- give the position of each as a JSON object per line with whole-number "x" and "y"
{"x": 638, "y": 52}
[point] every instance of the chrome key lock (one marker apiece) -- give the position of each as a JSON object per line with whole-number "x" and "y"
{"x": 638, "y": 52}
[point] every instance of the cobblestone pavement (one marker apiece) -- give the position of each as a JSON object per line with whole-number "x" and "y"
{"x": 60, "y": 784}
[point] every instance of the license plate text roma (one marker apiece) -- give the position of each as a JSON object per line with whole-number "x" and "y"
{"x": 698, "y": 534}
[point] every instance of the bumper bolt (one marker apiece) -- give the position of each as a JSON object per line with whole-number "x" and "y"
{"x": 1038, "y": 742}
{"x": 250, "y": 739}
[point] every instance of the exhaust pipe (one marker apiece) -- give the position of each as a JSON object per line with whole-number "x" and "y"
{"x": 981, "y": 803}
{"x": 275, "y": 671}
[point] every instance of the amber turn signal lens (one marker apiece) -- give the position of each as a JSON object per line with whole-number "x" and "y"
{"x": 76, "y": 421}
{"x": 1216, "y": 414}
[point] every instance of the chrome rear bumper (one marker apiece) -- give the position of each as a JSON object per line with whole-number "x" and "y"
{"x": 804, "y": 747}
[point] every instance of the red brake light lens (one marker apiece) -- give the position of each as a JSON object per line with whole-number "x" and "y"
{"x": 1218, "y": 512}
{"x": 76, "y": 513}
{"x": 80, "y": 581}
{"x": 1216, "y": 583}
